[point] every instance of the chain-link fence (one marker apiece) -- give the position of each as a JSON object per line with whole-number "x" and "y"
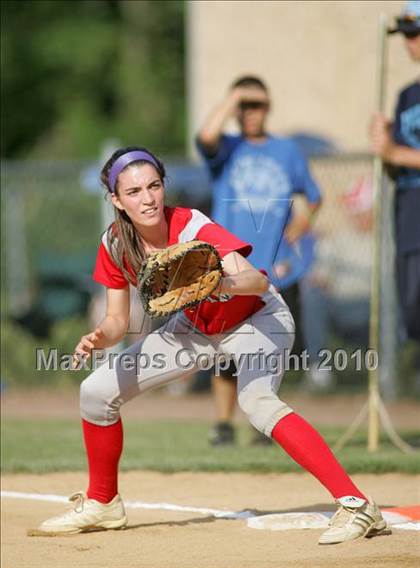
{"x": 52, "y": 218}
{"x": 337, "y": 290}
{"x": 53, "y": 215}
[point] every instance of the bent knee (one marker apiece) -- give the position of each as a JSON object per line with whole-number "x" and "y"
{"x": 263, "y": 408}
{"x": 96, "y": 405}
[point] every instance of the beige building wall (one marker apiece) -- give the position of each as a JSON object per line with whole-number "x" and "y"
{"x": 318, "y": 58}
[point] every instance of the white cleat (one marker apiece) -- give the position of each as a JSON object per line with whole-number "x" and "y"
{"x": 86, "y": 515}
{"x": 355, "y": 518}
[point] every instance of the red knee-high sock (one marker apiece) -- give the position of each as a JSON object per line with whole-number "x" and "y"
{"x": 103, "y": 446}
{"x": 307, "y": 447}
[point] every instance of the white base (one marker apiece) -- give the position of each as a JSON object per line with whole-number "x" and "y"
{"x": 287, "y": 521}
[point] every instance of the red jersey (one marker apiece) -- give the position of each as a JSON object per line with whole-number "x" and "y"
{"x": 186, "y": 225}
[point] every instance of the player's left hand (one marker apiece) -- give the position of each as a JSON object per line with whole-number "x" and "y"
{"x": 179, "y": 277}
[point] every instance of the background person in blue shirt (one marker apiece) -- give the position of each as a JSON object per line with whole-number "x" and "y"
{"x": 398, "y": 144}
{"x": 254, "y": 176}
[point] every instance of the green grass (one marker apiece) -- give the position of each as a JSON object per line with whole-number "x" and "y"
{"x": 170, "y": 446}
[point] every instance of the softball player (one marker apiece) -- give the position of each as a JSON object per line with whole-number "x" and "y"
{"x": 254, "y": 320}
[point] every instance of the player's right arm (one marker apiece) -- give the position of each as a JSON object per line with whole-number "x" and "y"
{"x": 212, "y": 129}
{"x": 112, "y": 328}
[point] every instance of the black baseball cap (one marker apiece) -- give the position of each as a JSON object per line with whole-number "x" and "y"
{"x": 409, "y": 21}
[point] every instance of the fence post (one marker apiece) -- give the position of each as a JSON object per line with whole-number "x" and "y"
{"x": 16, "y": 253}
{"x": 389, "y": 307}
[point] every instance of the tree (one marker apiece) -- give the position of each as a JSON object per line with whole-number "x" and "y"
{"x": 76, "y": 72}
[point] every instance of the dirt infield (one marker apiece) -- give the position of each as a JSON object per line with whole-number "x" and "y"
{"x": 167, "y": 539}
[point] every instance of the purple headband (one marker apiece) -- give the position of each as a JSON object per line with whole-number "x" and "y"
{"x": 126, "y": 159}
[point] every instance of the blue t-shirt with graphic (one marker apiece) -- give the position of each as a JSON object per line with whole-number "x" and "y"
{"x": 406, "y": 131}
{"x": 253, "y": 187}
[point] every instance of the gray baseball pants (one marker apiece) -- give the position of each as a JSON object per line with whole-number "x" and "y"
{"x": 259, "y": 346}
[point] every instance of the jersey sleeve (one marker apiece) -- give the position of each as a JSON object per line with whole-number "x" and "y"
{"x": 303, "y": 180}
{"x": 197, "y": 226}
{"x": 215, "y": 161}
{"x": 222, "y": 240}
{"x": 106, "y": 272}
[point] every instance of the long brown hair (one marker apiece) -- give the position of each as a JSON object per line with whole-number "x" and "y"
{"x": 124, "y": 243}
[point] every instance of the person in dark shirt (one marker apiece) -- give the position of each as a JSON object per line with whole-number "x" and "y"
{"x": 398, "y": 144}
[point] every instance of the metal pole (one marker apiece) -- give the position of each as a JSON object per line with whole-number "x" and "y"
{"x": 378, "y": 173}
{"x": 16, "y": 253}
{"x": 388, "y": 318}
